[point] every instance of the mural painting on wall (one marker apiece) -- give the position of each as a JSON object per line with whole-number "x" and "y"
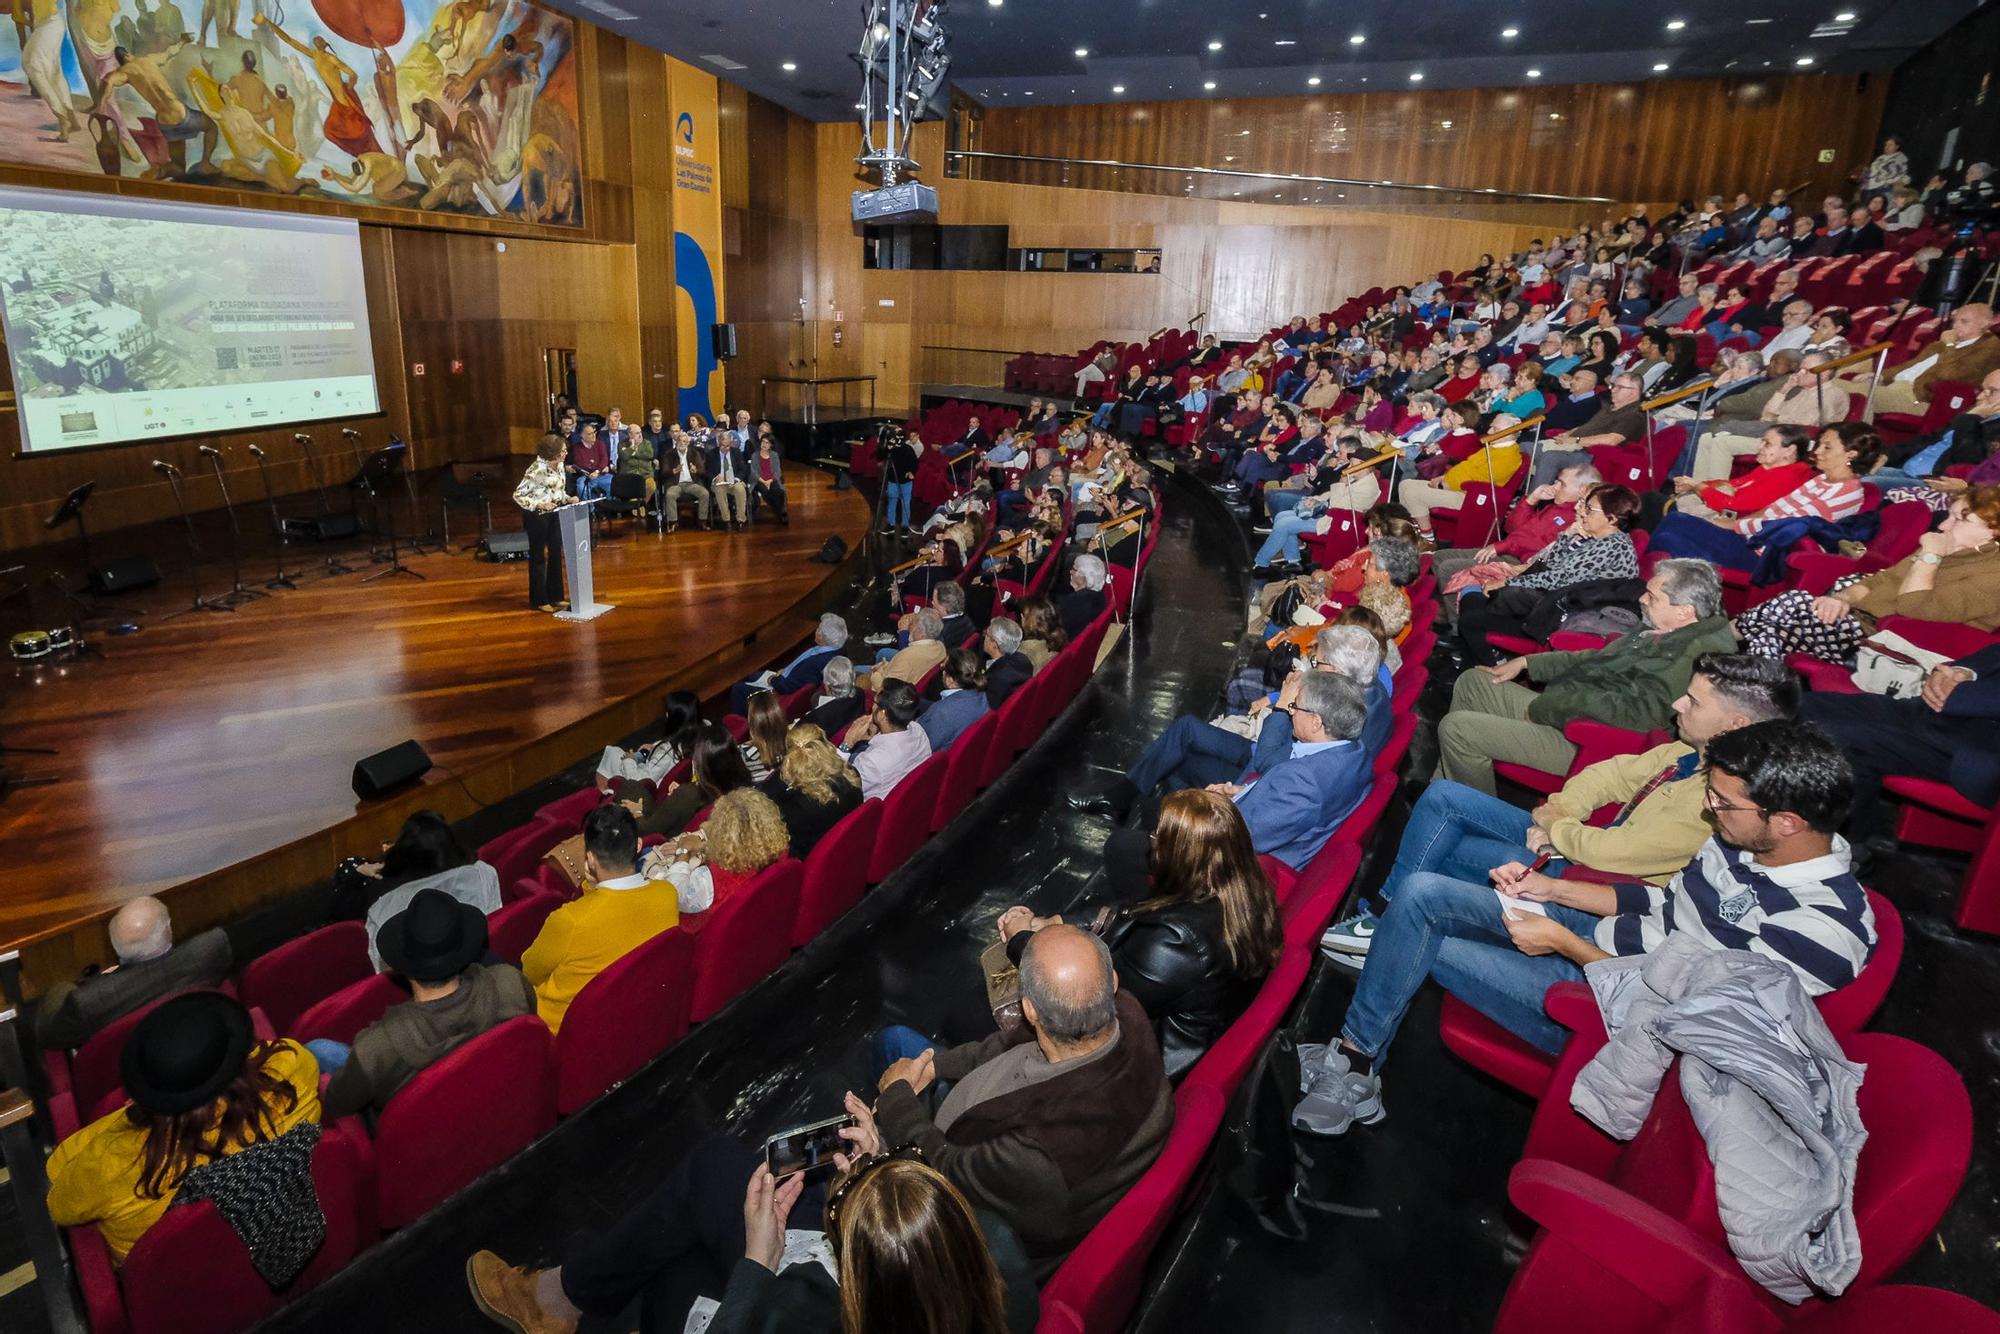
{"x": 460, "y": 106}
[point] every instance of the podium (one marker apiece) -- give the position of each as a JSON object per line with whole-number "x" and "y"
{"x": 574, "y": 521}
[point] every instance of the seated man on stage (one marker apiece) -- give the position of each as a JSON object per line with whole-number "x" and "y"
{"x": 1775, "y": 880}
{"x": 683, "y": 476}
{"x": 590, "y": 465}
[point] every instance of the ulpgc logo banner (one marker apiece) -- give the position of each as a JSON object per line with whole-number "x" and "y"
{"x": 697, "y": 204}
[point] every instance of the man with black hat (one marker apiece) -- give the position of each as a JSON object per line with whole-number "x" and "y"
{"x": 435, "y": 944}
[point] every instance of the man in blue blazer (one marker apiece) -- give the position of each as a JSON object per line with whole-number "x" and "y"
{"x": 1951, "y": 731}
{"x": 945, "y": 719}
{"x": 1294, "y": 808}
{"x": 802, "y": 671}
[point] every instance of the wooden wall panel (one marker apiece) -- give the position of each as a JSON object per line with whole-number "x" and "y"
{"x": 1657, "y": 140}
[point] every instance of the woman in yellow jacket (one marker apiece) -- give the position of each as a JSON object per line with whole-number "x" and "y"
{"x": 1495, "y": 462}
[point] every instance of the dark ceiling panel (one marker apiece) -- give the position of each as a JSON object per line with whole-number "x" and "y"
{"x": 1022, "y": 52}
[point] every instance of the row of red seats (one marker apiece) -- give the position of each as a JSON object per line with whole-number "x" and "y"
{"x": 507, "y": 1087}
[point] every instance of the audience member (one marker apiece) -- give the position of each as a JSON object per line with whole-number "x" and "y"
{"x": 1775, "y": 879}
{"x": 150, "y": 965}
{"x": 1630, "y": 683}
{"x": 1042, "y": 633}
{"x": 885, "y": 747}
{"x": 828, "y": 639}
{"x": 1086, "y": 599}
{"x": 962, "y": 704}
{"x": 435, "y": 944}
{"x": 715, "y": 766}
{"x": 816, "y": 787}
{"x": 1618, "y": 422}
{"x": 619, "y": 910}
{"x": 744, "y": 834}
{"x": 1964, "y": 352}
{"x": 680, "y": 711}
{"x": 1007, "y": 666}
{"x": 920, "y": 657}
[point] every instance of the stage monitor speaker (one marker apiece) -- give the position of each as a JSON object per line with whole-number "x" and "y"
{"x": 389, "y": 769}
{"x": 722, "y": 338}
{"x": 127, "y": 572}
{"x": 833, "y": 552}
{"x": 506, "y": 546}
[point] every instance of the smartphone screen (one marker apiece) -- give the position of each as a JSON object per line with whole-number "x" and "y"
{"x": 806, "y": 1148}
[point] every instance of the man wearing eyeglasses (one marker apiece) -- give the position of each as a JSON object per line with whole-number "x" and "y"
{"x": 1776, "y": 880}
{"x": 1618, "y": 422}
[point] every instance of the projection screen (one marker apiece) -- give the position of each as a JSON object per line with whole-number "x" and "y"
{"x": 132, "y": 319}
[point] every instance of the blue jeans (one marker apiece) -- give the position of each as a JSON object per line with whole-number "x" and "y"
{"x": 592, "y": 488}
{"x": 331, "y": 1055}
{"x": 899, "y": 1042}
{"x": 1460, "y": 832}
{"x": 1190, "y": 753}
{"x": 1887, "y": 477}
{"x": 1099, "y": 418}
{"x": 1284, "y": 502}
{"x": 1284, "y": 538}
{"x": 897, "y": 504}
{"x": 1452, "y": 930}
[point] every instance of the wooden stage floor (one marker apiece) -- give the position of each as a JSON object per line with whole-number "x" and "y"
{"x": 209, "y": 756}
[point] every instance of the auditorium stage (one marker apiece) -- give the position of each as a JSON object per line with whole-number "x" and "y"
{"x": 208, "y": 757}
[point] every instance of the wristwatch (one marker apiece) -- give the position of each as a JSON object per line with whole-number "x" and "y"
{"x": 1929, "y": 558}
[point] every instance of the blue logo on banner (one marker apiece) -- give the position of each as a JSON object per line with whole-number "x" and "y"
{"x": 693, "y": 276}
{"x": 684, "y": 128}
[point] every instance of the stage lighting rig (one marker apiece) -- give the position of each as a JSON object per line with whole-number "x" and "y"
{"x": 905, "y": 56}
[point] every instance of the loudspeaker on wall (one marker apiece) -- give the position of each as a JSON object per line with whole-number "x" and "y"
{"x": 722, "y": 338}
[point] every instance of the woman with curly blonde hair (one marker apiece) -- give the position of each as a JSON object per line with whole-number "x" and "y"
{"x": 816, "y": 787}
{"x": 744, "y": 834}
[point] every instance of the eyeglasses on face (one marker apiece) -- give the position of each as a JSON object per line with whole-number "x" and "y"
{"x": 1709, "y": 799}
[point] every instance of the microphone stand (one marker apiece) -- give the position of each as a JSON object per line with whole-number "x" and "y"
{"x": 333, "y": 563}
{"x": 200, "y": 603}
{"x": 237, "y": 593}
{"x": 280, "y": 579}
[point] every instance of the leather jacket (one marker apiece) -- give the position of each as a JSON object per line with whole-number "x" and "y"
{"x": 1173, "y": 961}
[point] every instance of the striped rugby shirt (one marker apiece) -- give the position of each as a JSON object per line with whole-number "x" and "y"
{"x": 1811, "y": 915}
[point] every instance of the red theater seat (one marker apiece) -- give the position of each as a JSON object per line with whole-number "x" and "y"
{"x": 624, "y": 1017}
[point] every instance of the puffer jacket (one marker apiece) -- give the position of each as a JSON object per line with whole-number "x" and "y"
{"x": 1632, "y": 682}
{"x": 1768, "y": 1087}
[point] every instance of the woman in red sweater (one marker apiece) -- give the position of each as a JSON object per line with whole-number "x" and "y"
{"x": 1781, "y": 469}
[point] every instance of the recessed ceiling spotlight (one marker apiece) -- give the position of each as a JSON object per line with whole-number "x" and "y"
{"x": 1845, "y": 16}
{"x": 1444, "y": 125}
{"x": 1284, "y": 41}
{"x": 1357, "y": 39}
{"x": 1235, "y": 194}
{"x": 1803, "y": 61}
{"x": 1229, "y": 157}
{"x": 1029, "y": 93}
{"x": 1117, "y": 87}
{"x": 1510, "y": 33}
{"x": 1534, "y": 74}
{"x": 1417, "y": 77}
{"x": 1215, "y": 46}
{"x": 1661, "y": 67}
{"x": 1675, "y": 25}
{"x": 1555, "y": 115}
{"x": 995, "y": 4}
{"x": 1209, "y": 85}
{"x": 1082, "y": 51}
{"x": 790, "y": 66}
{"x": 1313, "y": 82}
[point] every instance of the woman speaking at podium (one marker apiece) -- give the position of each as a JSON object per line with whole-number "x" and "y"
{"x": 541, "y": 493}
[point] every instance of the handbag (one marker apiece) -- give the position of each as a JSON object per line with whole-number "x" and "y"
{"x": 1885, "y": 663}
{"x": 566, "y": 858}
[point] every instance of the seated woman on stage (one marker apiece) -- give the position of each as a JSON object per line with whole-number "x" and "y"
{"x": 1954, "y": 575}
{"x": 715, "y": 768}
{"x": 680, "y": 711}
{"x": 426, "y": 851}
{"x": 767, "y": 474}
{"x": 765, "y": 745}
{"x": 1597, "y": 548}
{"x": 203, "y": 1087}
{"x": 743, "y": 834}
{"x": 1845, "y": 451}
{"x": 815, "y": 787}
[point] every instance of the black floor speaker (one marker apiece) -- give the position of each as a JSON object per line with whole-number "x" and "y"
{"x": 127, "y": 572}
{"x": 389, "y": 769}
{"x": 506, "y": 546}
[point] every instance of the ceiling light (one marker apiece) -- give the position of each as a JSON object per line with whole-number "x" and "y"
{"x": 1357, "y": 39}
{"x": 1510, "y": 32}
{"x": 1215, "y": 46}
{"x": 1082, "y": 51}
{"x": 1229, "y": 157}
{"x": 1417, "y": 77}
{"x": 1209, "y": 85}
{"x": 1313, "y": 82}
{"x": 1117, "y": 87}
{"x": 1803, "y": 61}
{"x": 1235, "y": 194}
{"x": 1243, "y": 134}
{"x": 1444, "y": 125}
{"x": 1555, "y": 115}
{"x": 1845, "y": 16}
{"x": 1029, "y": 93}
{"x": 1675, "y": 25}
{"x": 790, "y": 67}
{"x": 1661, "y": 67}
{"x": 1752, "y": 22}
{"x": 1284, "y": 41}
{"x": 1534, "y": 74}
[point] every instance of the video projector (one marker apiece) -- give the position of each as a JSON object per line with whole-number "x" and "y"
{"x": 908, "y": 202}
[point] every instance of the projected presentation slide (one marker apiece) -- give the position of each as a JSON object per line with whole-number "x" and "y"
{"x": 133, "y": 319}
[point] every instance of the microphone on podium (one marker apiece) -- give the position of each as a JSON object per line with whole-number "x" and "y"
{"x": 302, "y": 437}
{"x": 256, "y": 451}
{"x": 163, "y": 466}
{"x": 350, "y": 433}
{"x": 210, "y": 450}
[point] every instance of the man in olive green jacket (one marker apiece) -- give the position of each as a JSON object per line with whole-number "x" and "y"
{"x": 1631, "y": 682}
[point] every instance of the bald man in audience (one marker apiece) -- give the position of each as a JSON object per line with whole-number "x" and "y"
{"x": 149, "y": 966}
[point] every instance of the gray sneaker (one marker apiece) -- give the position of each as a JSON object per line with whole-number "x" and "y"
{"x": 1339, "y": 1098}
{"x": 1352, "y": 936}
{"x": 1315, "y": 1057}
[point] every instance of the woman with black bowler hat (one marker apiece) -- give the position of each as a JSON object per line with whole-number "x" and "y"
{"x": 541, "y": 493}
{"x": 203, "y": 1087}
